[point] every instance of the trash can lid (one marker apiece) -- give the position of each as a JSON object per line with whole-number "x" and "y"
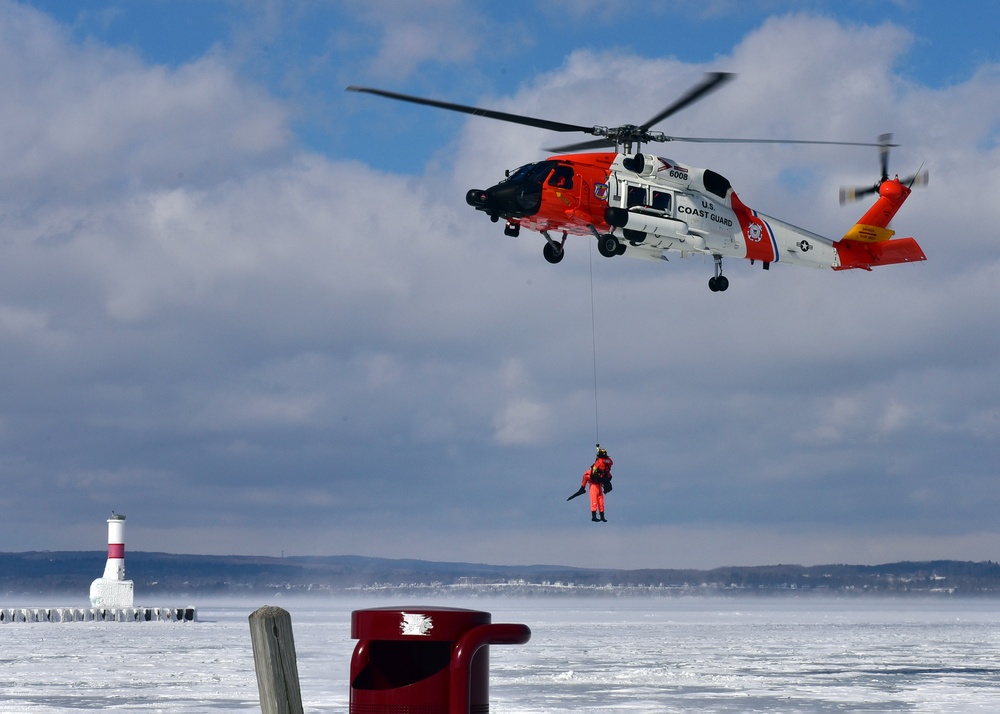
{"x": 415, "y": 623}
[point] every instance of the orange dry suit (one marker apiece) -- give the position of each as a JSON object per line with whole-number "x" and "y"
{"x": 599, "y": 478}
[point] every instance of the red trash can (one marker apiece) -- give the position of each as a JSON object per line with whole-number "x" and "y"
{"x": 424, "y": 660}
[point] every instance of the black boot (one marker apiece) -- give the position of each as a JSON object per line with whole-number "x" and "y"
{"x": 593, "y": 515}
{"x": 603, "y": 519}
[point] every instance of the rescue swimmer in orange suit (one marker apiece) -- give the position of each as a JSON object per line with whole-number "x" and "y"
{"x": 598, "y": 477}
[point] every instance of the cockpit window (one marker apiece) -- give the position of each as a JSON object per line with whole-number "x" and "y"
{"x": 562, "y": 177}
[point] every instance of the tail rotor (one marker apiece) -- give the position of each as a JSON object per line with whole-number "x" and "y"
{"x": 850, "y": 194}
{"x": 920, "y": 178}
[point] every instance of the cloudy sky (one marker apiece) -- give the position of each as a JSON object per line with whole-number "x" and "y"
{"x": 253, "y": 312}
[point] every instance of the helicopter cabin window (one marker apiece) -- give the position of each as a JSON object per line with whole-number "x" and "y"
{"x": 635, "y": 196}
{"x": 562, "y": 177}
{"x": 661, "y": 201}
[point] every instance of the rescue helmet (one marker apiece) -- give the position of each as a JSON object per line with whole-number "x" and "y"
{"x": 601, "y": 453}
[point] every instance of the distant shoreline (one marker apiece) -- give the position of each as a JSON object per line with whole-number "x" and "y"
{"x": 156, "y": 574}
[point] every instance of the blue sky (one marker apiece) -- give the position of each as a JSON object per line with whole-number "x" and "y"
{"x": 253, "y": 312}
{"x": 306, "y": 52}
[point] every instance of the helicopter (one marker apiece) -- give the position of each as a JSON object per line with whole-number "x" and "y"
{"x": 641, "y": 205}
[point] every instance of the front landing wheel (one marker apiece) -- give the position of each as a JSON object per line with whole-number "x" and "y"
{"x": 553, "y": 253}
{"x": 608, "y": 245}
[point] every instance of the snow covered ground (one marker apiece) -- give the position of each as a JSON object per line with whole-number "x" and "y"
{"x": 585, "y": 655}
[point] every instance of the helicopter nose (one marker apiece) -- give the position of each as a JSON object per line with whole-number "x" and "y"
{"x": 477, "y": 198}
{"x": 506, "y": 199}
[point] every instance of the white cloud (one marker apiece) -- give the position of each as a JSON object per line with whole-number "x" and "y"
{"x": 412, "y": 35}
{"x": 521, "y": 422}
{"x": 85, "y": 119}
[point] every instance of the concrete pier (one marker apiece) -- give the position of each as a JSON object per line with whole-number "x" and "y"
{"x": 98, "y": 614}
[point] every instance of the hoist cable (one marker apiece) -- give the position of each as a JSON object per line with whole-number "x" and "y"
{"x": 593, "y": 334}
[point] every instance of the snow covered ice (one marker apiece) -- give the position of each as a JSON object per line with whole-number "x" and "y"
{"x": 586, "y": 654}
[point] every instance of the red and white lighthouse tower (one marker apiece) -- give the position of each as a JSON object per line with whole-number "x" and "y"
{"x": 112, "y": 589}
{"x": 115, "y": 568}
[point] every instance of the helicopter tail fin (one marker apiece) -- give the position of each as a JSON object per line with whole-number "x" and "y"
{"x": 867, "y": 254}
{"x": 869, "y": 242}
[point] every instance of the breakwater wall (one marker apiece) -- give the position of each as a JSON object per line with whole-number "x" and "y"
{"x": 98, "y": 614}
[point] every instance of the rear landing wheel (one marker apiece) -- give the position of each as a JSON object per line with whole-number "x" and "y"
{"x": 719, "y": 284}
{"x": 553, "y": 252}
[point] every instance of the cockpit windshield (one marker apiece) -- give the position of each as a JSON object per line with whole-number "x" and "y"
{"x": 531, "y": 173}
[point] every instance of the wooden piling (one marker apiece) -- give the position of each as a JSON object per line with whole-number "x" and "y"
{"x": 274, "y": 661}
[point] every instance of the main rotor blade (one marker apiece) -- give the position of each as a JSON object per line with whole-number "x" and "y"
{"x": 476, "y": 111}
{"x": 717, "y": 140}
{"x": 603, "y": 143}
{"x": 583, "y": 146}
{"x": 712, "y": 81}
{"x": 637, "y": 134}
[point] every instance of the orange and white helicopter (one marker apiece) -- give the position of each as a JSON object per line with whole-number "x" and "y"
{"x": 641, "y": 205}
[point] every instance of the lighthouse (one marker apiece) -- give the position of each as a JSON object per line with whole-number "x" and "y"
{"x": 112, "y": 589}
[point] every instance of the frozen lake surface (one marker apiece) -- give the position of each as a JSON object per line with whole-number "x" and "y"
{"x": 586, "y": 654}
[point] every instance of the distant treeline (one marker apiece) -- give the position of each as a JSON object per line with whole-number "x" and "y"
{"x": 154, "y": 574}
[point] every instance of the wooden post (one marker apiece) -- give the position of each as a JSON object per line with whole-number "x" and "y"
{"x": 274, "y": 660}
